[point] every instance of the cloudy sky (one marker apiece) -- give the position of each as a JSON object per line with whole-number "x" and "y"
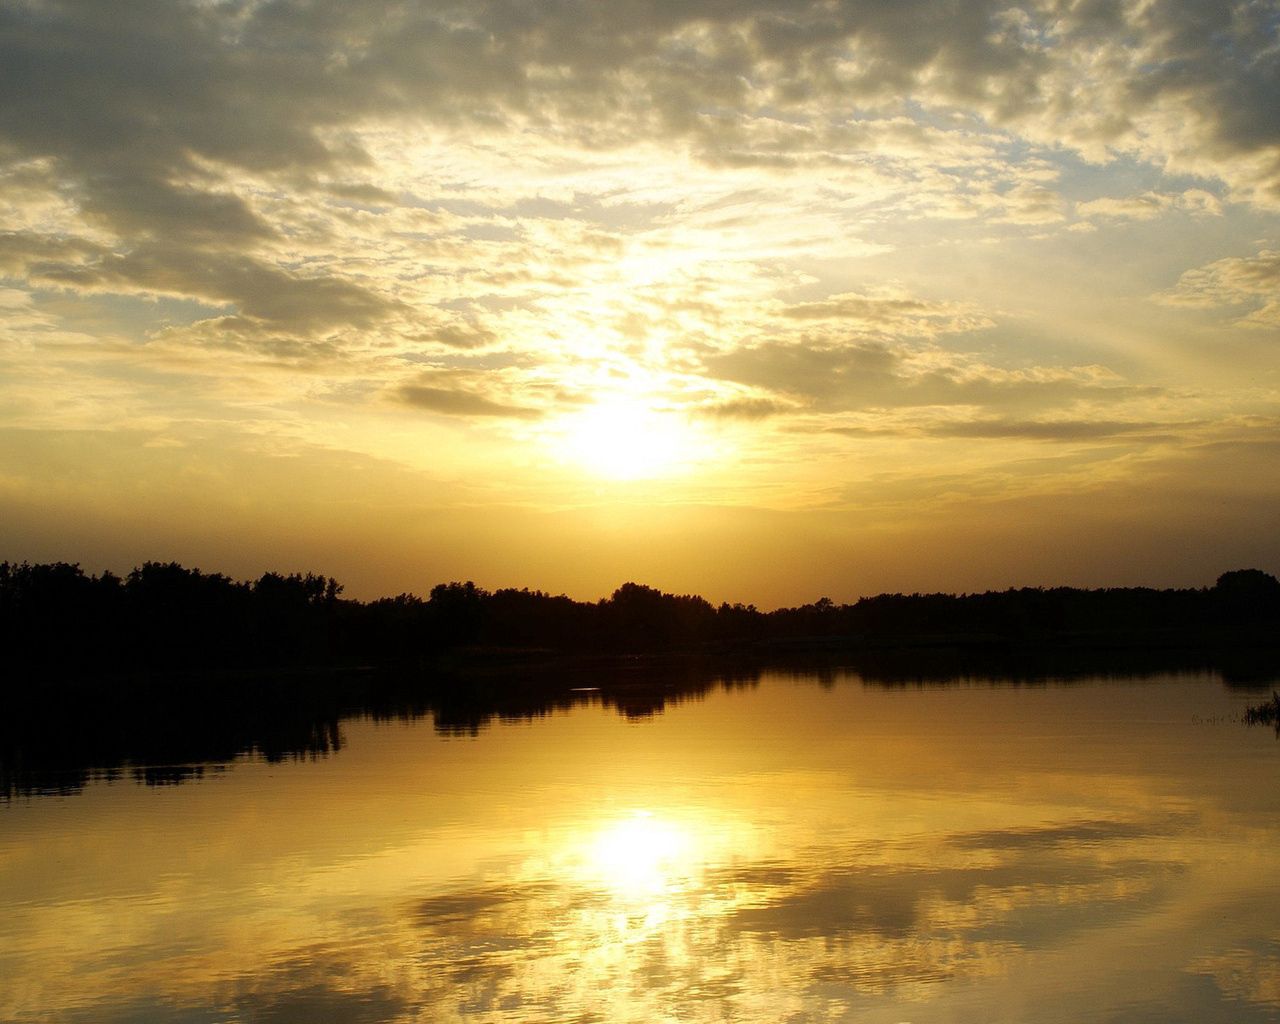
{"x": 761, "y": 300}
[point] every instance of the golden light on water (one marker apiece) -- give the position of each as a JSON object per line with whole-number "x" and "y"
{"x": 641, "y": 856}
{"x": 782, "y": 852}
{"x": 647, "y": 868}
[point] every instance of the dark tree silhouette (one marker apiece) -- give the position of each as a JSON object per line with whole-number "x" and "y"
{"x": 163, "y": 616}
{"x": 156, "y": 673}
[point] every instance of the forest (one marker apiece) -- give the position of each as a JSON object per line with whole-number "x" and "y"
{"x": 168, "y": 672}
{"x": 56, "y": 617}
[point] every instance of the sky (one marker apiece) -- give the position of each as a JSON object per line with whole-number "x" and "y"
{"x": 765, "y": 301}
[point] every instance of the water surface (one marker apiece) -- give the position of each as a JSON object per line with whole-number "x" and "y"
{"x": 793, "y": 850}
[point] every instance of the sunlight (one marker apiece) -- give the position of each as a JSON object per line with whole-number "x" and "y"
{"x": 626, "y": 439}
{"x": 639, "y": 856}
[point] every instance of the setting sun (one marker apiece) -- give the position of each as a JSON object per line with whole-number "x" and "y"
{"x": 627, "y": 439}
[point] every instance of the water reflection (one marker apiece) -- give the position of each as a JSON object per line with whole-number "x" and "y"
{"x": 834, "y": 926}
{"x": 163, "y": 731}
{"x": 640, "y": 856}
{"x": 782, "y": 852}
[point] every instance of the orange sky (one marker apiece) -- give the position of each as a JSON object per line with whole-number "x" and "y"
{"x": 762, "y": 301}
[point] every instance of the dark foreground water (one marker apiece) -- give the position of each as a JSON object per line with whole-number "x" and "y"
{"x": 783, "y": 851}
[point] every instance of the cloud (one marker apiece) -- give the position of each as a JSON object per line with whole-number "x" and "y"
{"x": 141, "y": 209}
{"x": 889, "y": 314}
{"x": 1053, "y": 430}
{"x": 746, "y": 408}
{"x": 180, "y": 137}
{"x": 1234, "y": 281}
{"x": 24, "y": 252}
{"x": 277, "y": 298}
{"x": 1140, "y": 207}
{"x": 1218, "y": 66}
{"x": 461, "y": 335}
{"x": 820, "y": 374}
{"x": 253, "y": 340}
{"x": 783, "y": 215}
{"x": 459, "y": 401}
{"x": 880, "y": 376}
{"x": 1149, "y": 205}
{"x": 1033, "y": 204}
{"x": 144, "y": 109}
{"x": 1050, "y": 431}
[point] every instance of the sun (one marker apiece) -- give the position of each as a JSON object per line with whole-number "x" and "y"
{"x": 626, "y": 438}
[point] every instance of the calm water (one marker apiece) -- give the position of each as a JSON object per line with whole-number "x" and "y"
{"x": 787, "y": 851}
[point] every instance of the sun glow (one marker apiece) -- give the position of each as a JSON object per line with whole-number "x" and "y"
{"x": 640, "y": 855}
{"x": 628, "y": 439}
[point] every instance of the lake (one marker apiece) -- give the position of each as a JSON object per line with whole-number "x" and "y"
{"x": 790, "y": 848}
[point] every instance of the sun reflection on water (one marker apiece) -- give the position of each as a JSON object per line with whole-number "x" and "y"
{"x": 642, "y": 876}
{"x": 642, "y": 856}
{"x": 863, "y": 888}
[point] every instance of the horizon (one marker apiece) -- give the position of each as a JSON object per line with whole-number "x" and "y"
{"x": 424, "y": 593}
{"x": 756, "y": 301}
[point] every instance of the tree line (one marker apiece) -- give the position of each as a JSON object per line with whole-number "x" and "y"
{"x": 164, "y": 615}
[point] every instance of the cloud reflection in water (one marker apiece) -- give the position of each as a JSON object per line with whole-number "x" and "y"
{"x": 717, "y": 863}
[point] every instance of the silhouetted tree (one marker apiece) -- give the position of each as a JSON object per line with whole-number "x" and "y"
{"x": 163, "y": 615}
{"x": 1248, "y": 597}
{"x": 456, "y": 613}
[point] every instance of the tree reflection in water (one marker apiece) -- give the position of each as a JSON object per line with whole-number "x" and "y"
{"x": 803, "y": 848}
{"x": 58, "y": 735}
